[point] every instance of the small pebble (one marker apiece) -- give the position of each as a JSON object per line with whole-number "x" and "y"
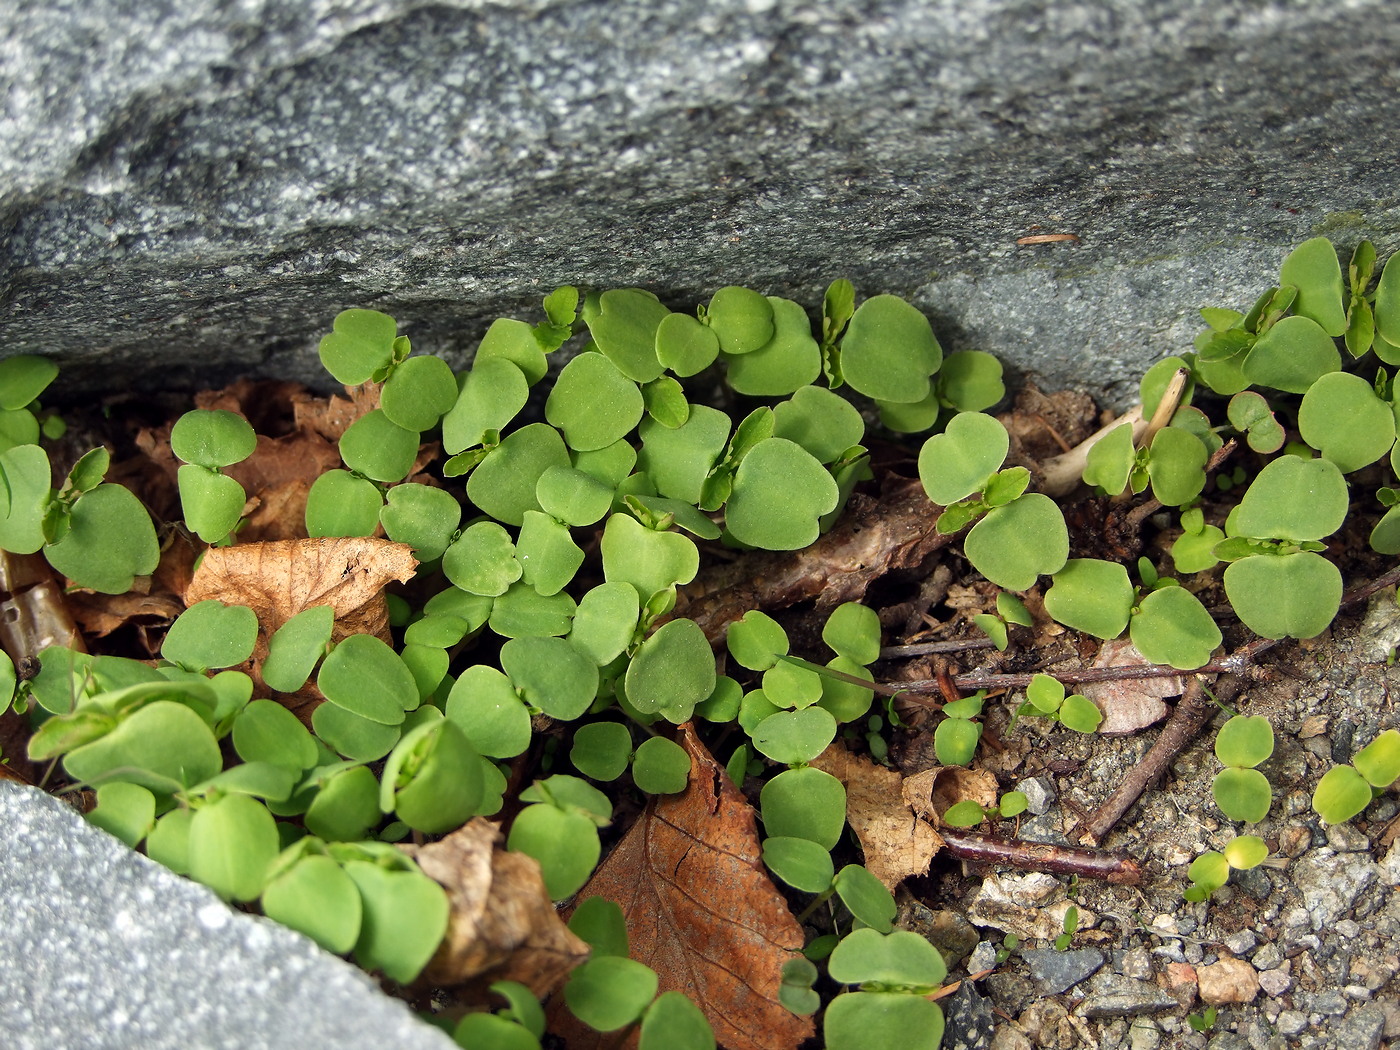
{"x": 1292, "y": 1022}
{"x": 1242, "y": 943}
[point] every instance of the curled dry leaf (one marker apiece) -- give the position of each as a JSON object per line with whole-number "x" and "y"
{"x": 702, "y": 912}
{"x": 502, "y": 926}
{"x": 1132, "y": 703}
{"x": 896, "y": 842}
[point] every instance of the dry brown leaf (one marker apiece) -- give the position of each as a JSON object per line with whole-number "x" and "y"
{"x": 278, "y": 580}
{"x": 502, "y": 926}
{"x": 702, "y": 912}
{"x": 897, "y": 843}
{"x": 1133, "y": 703}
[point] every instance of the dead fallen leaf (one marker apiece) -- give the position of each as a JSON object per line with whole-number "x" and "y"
{"x": 931, "y": 792}
{"x": 702, "y": 912}
{"x": 897, "y": 843}
{"x": 278, "y": 580}
{"x": 503, "y": 926}
{"x": 1130, "y": 704}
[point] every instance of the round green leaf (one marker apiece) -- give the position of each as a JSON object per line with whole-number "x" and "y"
{"x": 684, "y": 345}
{"x": 1313, "y": 269}
{"x": 345, "y": 806}
{"x": 593, "y": 403}
{"x": 665, "y": 401}
{"x": 673, "y": 1022}
{"x": 958, "y": 462}
{"x": 516, "y": 342}
{"x": 211, "y": 634}
{"x": 232, "y": 844}
{"x": 1292, "y": 499}
{"x": 168, "y": 842}
{"x": 212, "y": 438}
{"x": 494, "y": 1032}
{"x": 377, "y": 447}
{"x": 486, "y": 707}
{"x": 572, "y": 496}
{"x": 503, "y": 486}
{"x": 422, "y": 517}
{"x": 970, "y": 380}
{"x": 404, "y": 919}
{"x": 1385, "y": 537}
{"x": 482, "y": 560}
{"x": 127, "y": 811}
{"x": 914, "y": 417}
{"x": 110, "y": 541}
{"x": 17, "y": 428}
{"x": 565, "y": 843}
{"x": 822, "y": 422}
{"x": 1242, "y": 794}
{"x": 315, "y": 897}
{"x": 648, "y": 560}
{"x": 361, "y": 343}
{"x": 341, "y": 504}
{"x": 212, "y": 502}
{"x": 522, "y": 612}
{"x": 660, "y": 766}
{"x": 601, "y": 750}
{"x": 1341, "y": 794}
{"x": 1387, "y": 310}
{"x": 1171, "y": 626}
{"x": 897, "y": 958}
{"x": 1342, "y": 418}
{"x": 679, "y": 460}
{"x": 625, "y": 327}
{"x": 865, "y": 1020}
{"x": 605, "y": 621}
{"x": 741, "y": 319}
{"x": 791, "y": 737}
{"x": 1209, "y": 871}
{"x": 1016, "y": 543}
{"x": 1176, "y": 466}
{"x": 551, "y": 675}
{"x": 867, "y": 898}
{"x": 547, "y": 553}
{"x": 163, "y": 746}
{"x": 1250, "y": 414}
{"x": 1080, "y": 714}
{"x": 964, "y": 814}
{"x": 801, "y": 863}
{"x": 756, "y": 640}
{"x": 1379, "y": 761}
{"x": 780, "y": 492}
{"x": 1293, "y": 595}
{"x": 609, "y": 992}
{"x": 600, "y": 923}
{"x": 492, "y": 394}
{"x": 433, "y": 779}
{"x": 265, "y": 731}
{"x": 420, "y": 392}
{"x": 672, "y": 671}
{"x": 790, "y": 359}
{"x": 1244, "y": 741}
{"x": 804, "y": 803}
{"x": 1245, "y": 851}
{"x": 296, "y": 646}
{"x": 853, "y": 631}
{"x": 845, "y": 700}
{"x": 352, "y": 735}
{"x": 366, "y": 677}
{"x": 955, "y": 741}
{"x": 25, "y": 487}
{"x": 1291, "y": 356}
{"x": 23, "y": 377}
{"x": 889, "y": 350}
{"x": 1111, "y": 460}
{"x": 1092, "y": 596}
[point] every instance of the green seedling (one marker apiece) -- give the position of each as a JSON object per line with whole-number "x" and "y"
{"x": 207, "y": 441}
{"x": 1211, "y": 870}
{"x": 968, "y": 813}
{"x": 1010, "y": 609}
{"x": 1241, "y": 791}
{"x": 1071, "y": 926}
{"x": 1045, "y": 698}
{"x": 955, "y": 738}
{"x": 1344, "y": 791}
{"x": 894, "y": 971}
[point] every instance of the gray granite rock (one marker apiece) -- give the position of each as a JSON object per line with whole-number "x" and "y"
{"x": 1055, "y": 972}
{"x": 190, "y": 189}
{"x": 105, "y": 950}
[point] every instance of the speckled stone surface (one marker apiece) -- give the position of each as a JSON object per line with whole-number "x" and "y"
{"x": 101, "y": 949}
{"x": 192, "y": 189}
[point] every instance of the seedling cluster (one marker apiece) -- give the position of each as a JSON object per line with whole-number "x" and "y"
{"x": 553, "y": 551}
